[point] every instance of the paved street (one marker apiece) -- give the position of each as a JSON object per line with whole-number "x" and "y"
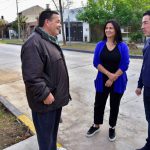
{"x": 78, "y": 115}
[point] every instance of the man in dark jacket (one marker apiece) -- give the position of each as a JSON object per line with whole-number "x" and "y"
{"x": 144, "y": 79}
{"x": 46, "y": 78}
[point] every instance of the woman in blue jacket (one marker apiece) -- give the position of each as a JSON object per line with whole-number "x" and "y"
{"x": 111, "y": 59}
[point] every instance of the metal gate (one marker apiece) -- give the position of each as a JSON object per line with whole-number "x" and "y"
{"x": 76, "y": 31}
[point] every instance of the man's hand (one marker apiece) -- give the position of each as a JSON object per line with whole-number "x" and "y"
{"x": 108, "y": 83}
{"x": 49, "y": 100}
{"x": 138, "y": 91}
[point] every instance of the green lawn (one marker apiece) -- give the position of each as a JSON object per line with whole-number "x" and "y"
{"x": 73, "y": 45}
{"x": 12, "y": 41}
{"x": 11, "y": 130}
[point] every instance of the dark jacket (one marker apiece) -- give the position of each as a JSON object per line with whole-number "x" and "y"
{"x": 144, "y": 79}
{"x": 44, "y": 70}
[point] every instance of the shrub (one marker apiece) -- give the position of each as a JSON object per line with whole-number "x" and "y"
{"x": 136, "y": 37}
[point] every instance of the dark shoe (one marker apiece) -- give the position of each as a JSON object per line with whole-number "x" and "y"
{"x": 112, "y": 134}
{"x": 92, "y": 131}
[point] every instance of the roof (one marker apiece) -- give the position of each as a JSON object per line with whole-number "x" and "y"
{"x": 31, "y": 8}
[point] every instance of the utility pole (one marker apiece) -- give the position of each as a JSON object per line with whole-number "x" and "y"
{"x": 62, "y": 22}
{"x": 18, "y": 20}
{"x": 69, "y": 37}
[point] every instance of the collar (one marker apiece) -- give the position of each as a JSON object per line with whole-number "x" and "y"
{"x": 46, "y": 35}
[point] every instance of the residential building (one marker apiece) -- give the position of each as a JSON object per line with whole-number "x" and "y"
{"x": 79, "y": 31}
{"x": 31, "y": 14}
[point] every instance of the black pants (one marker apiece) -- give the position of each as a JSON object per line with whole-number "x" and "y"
{"x": 100, "y": 102}
{"x": 46, "y": 125}
{"x": 146, "y": 95}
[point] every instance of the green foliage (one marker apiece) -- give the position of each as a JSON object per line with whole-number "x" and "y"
{"x": 2, "y": 22}
{"x": 126, "y": 12}
{"x": 136, "y": 37}
{"x": 15, "y": 26}
{"x": 96, "y": 12}
{"x": 22, "y": 21}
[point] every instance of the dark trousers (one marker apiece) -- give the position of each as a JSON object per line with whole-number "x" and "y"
{"x": 100, "y": 102}
{"x": 146, "y": 96}
{"x": 46, "y": 125}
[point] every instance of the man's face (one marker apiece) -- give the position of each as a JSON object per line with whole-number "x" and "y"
{"x": 54, "y": 25}
{"x": 146, "y": 25}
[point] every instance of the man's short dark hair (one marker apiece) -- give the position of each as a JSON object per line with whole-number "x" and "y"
{"x": 147, "y": 13}
{"x": 46, "y": 14}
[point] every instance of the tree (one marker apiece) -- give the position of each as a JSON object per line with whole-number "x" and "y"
{"x": 62, "y": 22}
{"x": 2, "y": 27}
{"x": 22, "y": 22}
{"x": 61, "y": 10}
{"x": 125, "y": 12}
{"x": 61, "y": 14}
{"x": 2, "y": 22}
{"x": 96, "y": 12}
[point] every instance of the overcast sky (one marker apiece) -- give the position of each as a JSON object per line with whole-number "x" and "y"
{"x": 9, "y": 11}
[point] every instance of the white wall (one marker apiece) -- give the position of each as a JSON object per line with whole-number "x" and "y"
{"x": 86, "y": 32}
{"x": 60, "y": 38}
{"x": 72, "y": 16}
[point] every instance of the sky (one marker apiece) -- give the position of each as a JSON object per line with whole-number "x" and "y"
{"x": 9, "y": 11}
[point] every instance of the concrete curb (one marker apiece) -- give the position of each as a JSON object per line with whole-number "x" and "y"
{"x": 92, "y": 52}
{"x": 20, "y": 116}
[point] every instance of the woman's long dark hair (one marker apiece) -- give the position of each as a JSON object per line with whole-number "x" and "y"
{"x": 118, "y": 36}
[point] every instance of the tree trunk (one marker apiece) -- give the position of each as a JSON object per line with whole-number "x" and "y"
{"x": 62, "y": 22}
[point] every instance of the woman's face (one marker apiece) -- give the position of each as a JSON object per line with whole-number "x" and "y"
{"x": 110, "y": 30}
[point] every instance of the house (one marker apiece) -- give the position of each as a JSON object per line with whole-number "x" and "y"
{"x": 31, "y": 14}
{"x": 79, "y": 31}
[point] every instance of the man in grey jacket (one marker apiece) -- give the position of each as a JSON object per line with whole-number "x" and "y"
{"x": 46, "y": 78}
{"x": 144, "y": 79}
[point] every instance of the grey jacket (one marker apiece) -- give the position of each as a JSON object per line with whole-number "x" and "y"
{"x": 44, "y": 70}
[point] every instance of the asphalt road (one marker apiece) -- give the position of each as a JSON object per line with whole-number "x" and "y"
{"x": 78, "y": 115}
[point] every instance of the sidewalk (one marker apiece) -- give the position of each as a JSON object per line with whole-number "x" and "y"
{"x": 29, "y": 144}
{"x": 78, "y": 115}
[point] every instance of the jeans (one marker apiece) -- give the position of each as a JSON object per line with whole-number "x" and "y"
{"x": 46, "y": 125}
{"x": 146, "y": 96}
{"x": 99, "y": 106}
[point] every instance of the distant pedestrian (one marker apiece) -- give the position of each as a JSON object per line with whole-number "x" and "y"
{"x": 144, "y": 79}
{"x": 46, "y": 78}
{"x": 111, "y": 59}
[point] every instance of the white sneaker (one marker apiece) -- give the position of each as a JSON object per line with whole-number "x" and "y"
{"x": 61, "y": 148}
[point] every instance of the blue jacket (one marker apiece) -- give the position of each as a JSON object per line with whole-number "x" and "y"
{"x": 144, "y": 79}
{"x": 121, "y": 82}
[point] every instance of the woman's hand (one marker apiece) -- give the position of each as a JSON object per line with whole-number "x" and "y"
{"x": 112, "y": 76}
{"x": 108, "y": 83}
